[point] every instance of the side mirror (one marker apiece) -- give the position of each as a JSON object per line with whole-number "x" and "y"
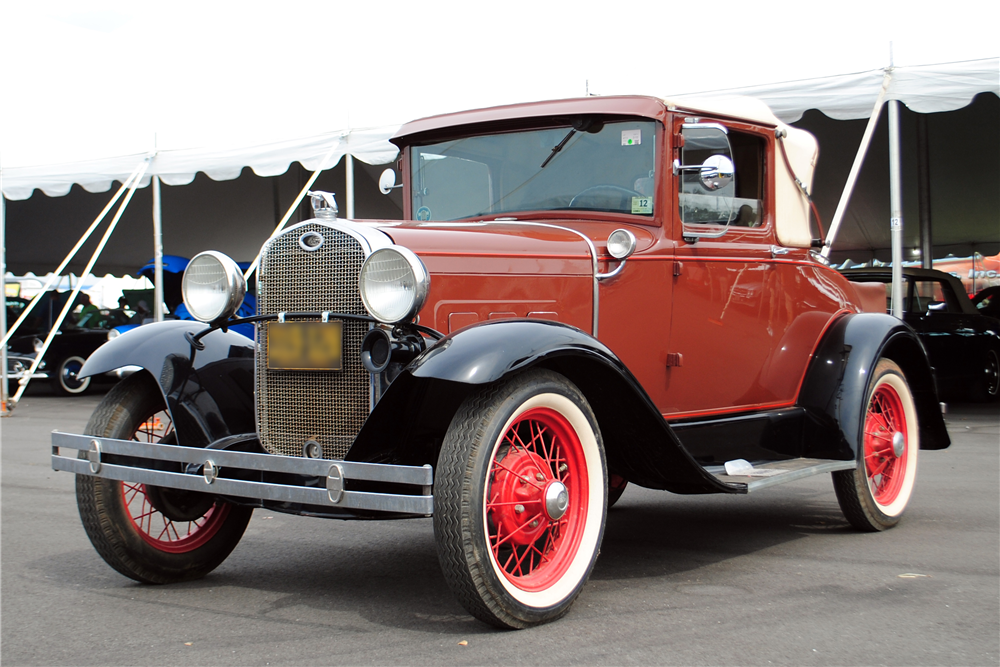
{"x": 716, "y": 172}
{"x": 936, "y": 307}
{"x": 387, "y": 182}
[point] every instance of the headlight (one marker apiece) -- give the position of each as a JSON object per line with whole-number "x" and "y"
{"x": 393, "y": 284}
{"x": 621, "y": 244}
{"x": 213, "y": 287}
{"x": 114, "y": 333}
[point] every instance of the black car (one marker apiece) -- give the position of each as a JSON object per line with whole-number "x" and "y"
{"x": 963, "y": 344}
{"x": 987, "y": 301}
{"x": 76, "y": 339}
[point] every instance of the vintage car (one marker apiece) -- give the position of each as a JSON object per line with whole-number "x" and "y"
{"x": 963, "y": 344}
{"x": 584, "y": 294}
{"x": 70, "y": 347}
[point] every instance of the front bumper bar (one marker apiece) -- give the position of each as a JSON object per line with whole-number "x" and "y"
{"x": 331, "y": 475}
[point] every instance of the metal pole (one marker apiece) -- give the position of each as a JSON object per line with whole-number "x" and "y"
{"x": 3, "y": 313}
{"x": 924, "y": 194}
{"x": 896, "y": 210}
{"x": 349, "y": 185}
{"x": 852, "y": 177}
{"x": 157, "y": 252}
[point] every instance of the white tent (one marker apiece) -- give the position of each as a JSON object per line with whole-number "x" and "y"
{"x": 93, "y": 88}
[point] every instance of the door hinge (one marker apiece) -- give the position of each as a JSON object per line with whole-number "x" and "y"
{"x": 675, "y": 359}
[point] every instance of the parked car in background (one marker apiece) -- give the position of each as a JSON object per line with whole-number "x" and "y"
{"x": 80, "y": 334}
{"x": 987, "y": 302}
{"x": 963, "y": 343}
{"x": 173, "y": 299}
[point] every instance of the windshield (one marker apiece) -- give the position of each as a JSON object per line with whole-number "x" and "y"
{"x": 593, "y": 165}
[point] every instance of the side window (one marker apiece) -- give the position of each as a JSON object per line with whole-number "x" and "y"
{"x": 705, "y": 179}
{"x": 932, "y": 296}
{"x": 748, "y": 158}
{"x": 720, "y": 179}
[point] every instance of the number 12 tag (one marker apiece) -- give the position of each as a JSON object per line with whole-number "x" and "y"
{"x": 642, "y": 205}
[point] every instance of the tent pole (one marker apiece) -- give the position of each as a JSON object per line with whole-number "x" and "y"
{"x": 896, "y": 210}
{"x": 924, "y": 194}
{"x": 349, "y": 184}
{"x": 852, "y": 177}
{"x": 57, "y": 274}
{"x": 3, "y": 313}
{"x": 157, "y": 252}
{"x": 76, "y": 291}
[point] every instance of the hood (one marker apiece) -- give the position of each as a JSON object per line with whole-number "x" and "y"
{"x": 493, "y": 247}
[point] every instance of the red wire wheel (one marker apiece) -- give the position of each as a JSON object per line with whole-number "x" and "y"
{"x": 172, "y": 537}
{"x": 153, "y": 526}
{"x": 520, "y": 497}
{"x": 152, "y": 534}
{"x": 874, "y": 495}
{"x": 885, "y": 444}
{"x": 537, "y": 499}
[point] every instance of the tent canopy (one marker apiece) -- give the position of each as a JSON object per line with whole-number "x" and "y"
{"x": 96, "y": 86}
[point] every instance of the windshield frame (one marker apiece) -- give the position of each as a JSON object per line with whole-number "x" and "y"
{"x": 560, "y": 125}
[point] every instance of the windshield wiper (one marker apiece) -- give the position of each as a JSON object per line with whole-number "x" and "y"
{"x": 558, "y": 147}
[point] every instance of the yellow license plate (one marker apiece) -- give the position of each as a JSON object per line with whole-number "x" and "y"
{"x": 305, "y": 346}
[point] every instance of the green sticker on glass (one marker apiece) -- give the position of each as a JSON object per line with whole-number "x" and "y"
{"x": 642, "y": 205}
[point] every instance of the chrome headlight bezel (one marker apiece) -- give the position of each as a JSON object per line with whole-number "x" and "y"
{"x": 409, "y": 287}
{"x": 218, "y": 299}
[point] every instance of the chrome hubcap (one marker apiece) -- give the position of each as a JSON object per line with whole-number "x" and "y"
{"x": 556, "y": 500}
{"x": 898, "y": 444}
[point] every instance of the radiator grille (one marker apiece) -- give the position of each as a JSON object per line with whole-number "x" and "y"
{"x": 326, "y": 406}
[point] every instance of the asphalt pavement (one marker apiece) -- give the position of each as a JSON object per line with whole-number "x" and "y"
{"x": 776, "y": 577}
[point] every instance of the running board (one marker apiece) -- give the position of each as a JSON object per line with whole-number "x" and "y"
{"x": 770, "y": 473}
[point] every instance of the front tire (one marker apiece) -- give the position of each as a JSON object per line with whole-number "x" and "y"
{"x": 874, "y": 495}
{"x": 150, "y": 534}
{"x": 520, "y": 499}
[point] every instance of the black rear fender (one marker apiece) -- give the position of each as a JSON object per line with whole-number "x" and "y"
{"x": 208, "y": 387}
{"x": 836, "y": 384}
{"x": 409, "y": 422}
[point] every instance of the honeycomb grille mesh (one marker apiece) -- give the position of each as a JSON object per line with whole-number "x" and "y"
{"x": 326, "y": 406}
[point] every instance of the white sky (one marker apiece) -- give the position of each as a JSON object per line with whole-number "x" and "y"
{"x": 88, "y": 78}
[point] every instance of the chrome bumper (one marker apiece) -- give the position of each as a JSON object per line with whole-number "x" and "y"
{"x": 331, "y": 475}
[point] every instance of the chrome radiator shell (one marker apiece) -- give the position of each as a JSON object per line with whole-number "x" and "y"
{"x": 329, "y": 407}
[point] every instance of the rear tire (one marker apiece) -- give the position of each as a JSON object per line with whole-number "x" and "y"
{"x": 520, "y": 499}
{"x": 989, "y": 388}
{"x": 874, "y": 495}
{"x": 128, "y": 524}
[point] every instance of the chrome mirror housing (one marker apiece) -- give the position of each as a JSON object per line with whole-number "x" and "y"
{"x": 716, "y": 172}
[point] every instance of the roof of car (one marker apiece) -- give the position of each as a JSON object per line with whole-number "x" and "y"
{"x": 740, "y": 108}
{"x": 884, "y": 273}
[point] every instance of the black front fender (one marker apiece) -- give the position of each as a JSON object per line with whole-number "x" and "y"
{"x": 837, "y": 383}
{"x": 209, "y": 391}
{"x": 410, "y": 421}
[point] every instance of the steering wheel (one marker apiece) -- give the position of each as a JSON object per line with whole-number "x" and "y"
{"x": 606, "y": 191}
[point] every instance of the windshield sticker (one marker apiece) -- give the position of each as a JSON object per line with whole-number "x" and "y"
{"x": 423, "y": 214}
{"x": 641, "y": 205}
{"x": 631, "y": 137}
